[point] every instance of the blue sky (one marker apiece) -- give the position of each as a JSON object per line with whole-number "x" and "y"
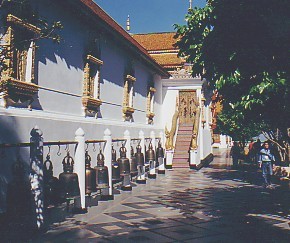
{"x": 148, "y": 16}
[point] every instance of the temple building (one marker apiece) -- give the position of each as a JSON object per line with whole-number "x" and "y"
{"x": 101, "y": 79}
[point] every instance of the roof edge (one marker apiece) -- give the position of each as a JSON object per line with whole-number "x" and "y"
{"x": 115, "y": 27}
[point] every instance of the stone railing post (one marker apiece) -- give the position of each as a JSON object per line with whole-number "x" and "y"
{"x": 161, "y": 135}
{"x": 142, "y": 141}
{"x": 152, "y": 163}
{"x": 80, "y": 165}
{"x": 153, "y": 138}
{"x": 128, "y": 144}
{"x": 36, "y": 174}
{"x": 108, "y": 160}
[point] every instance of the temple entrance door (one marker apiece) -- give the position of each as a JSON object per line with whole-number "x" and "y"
{"x": 187, "y": 106}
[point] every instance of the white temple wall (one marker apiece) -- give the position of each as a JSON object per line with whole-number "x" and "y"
{"x": 57, "y": 108}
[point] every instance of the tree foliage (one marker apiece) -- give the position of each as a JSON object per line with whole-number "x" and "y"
{"x": 242, "y": 48}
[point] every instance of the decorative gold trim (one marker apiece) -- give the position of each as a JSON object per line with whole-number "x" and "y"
{"x": 95, "y": 60}
{"x": 86, "y": 80}
{"x": 193, "y": 144}
{"x": 128, "y": 110}
{"x": 16, "y": 90}
{"x": 163, "y": 51}
{"x": 150, "y": 115}
{"x": 130, "y": 78}
{"x": 151, "y": 89}
{"x": 170, "y": 134}
{"x": 90, "y": 103}
{"x": 15, "y": 20}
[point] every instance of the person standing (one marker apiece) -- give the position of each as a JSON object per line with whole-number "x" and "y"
{"x": 266, "y": 158}
{"x": 235, "y": 153}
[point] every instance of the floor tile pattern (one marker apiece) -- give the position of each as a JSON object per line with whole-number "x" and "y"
{"x": 214, "y": 204}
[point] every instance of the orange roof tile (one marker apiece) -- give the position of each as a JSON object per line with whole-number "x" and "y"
{"x": 168, "y": 59}
{"x": 157, "y": 41}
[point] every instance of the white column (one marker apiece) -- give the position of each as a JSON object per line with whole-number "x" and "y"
{"x": 200, "y": 144}
{"x": 223, "y": 139}
{"x": 108, "y": 157}
{"x": 152, "y": 136}
{"x": 29, "y": 63}
{"x": 161, "y": 135}
{"x": 36, "y": 174}
{"x": 128, "y": 144}
{"x": 193, "y": 162}
{"x": 80, "y": 166}
{"x": 142, "y": 142}
{"x": 169, "y": 158}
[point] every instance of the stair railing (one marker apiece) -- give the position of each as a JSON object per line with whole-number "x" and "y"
{"x": 193, "y": 144}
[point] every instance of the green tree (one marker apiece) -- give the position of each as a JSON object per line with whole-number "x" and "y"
{"x": 242, "y": 48}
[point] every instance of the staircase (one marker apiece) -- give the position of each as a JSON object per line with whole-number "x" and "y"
{"x": 183, "y": 139}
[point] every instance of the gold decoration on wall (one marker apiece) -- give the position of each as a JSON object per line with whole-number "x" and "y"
{"x": 149, "y": 109}
{"x": 170, "y": 134}
{"x": 187, "y": 106}
{"x": 17, "y": 90}
{"x": 128, "y": 109}
{"x": 94, "y": 60}
{"x": 91, "y": 99}
{"x": 15, "y": 20}
{"x": 15, "y": 83}
{"x": 193, "y": 144}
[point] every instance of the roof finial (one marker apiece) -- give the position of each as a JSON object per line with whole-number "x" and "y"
{"x": 190, "y": 5}
{"x": 128, "y": 23}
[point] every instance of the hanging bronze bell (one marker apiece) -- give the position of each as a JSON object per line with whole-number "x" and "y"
{"x": 124, "y": 169}
{"x": 159, "y": 151}
{"x": 139, "y": 156}
{"x": 90, "y": 175}
{"x": 102, "y": 174}
{"x": 124, "y": 162}
{"x": 115, "y": 167}
{"x": 51, "y": 184}
{"x": 133, "y": 164}
{"x": 150, "y": 152}
{"x": 145, "y": 150}
{"x": 69, "y": 182}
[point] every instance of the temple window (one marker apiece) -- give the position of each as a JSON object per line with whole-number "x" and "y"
{"x": 128, "y": 109}
{"x": 18, "y": 50}
{"x": 91, "y": 87}
{"x": 150, "y": 105}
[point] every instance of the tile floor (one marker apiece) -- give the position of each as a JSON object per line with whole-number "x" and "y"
{"x": 215, "y": 204}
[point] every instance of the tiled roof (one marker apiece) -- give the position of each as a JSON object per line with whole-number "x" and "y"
{"x": 168, "y": 59}
{"x": 157, "y": 41}
{"x": 102, "y": 16}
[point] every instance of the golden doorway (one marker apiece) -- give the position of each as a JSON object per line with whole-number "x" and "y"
{"x": 187, "y": 106}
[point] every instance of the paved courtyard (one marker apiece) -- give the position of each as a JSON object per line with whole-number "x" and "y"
{"x": 215, "y": 204}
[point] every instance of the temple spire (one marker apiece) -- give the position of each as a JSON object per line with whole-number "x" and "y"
{"x": 128, "y": 23}
{"x": 190, "y": 5}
